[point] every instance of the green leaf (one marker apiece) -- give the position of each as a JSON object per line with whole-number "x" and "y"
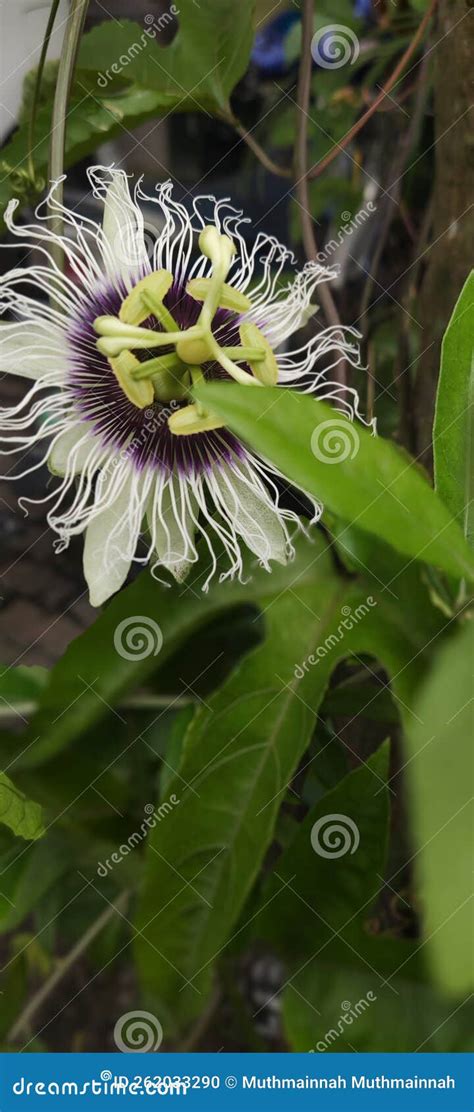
{"x": 239, "y": 756}
{"x": 453, "y": 427}
{"x": 28, "y": 876}
{"x": 20, "y": 689}
{"x": 20, "y": 814}
{"x": 439, "y": 773}
{"x": 373, "y": 484}
{"x": 240, "y": 751}
{"x": 174, "y": 748}
{"x": 94, "y": 115}
{"x": 371, "y": 998}
{"x": 93, "y": 674}
{"x": 332, "y": 870}
{"x": 207, "y": 57}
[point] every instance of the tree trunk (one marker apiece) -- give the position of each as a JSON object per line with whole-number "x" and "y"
{"x": 450, "y": 257}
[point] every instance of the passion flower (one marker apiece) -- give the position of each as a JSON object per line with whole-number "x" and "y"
{"x": 114, "y": 346}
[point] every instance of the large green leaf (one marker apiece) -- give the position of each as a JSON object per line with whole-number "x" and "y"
{"x": 364, "y": 479}
{"x": 371, "y": 998}
{"x": 453, "y": 439}
{"x": 316, "y": 889}
{"x": 439, "y": 773}
{"x": 240, "y": 753}
{"x": 208, "y": 55}
{"x": 20, "y": 814}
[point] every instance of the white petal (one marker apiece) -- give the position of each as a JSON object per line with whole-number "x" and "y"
{"x": 72, "y": 450}
{"x": 292, "y": 307}
{"x": 109, "y": 546}
{"x": 125, "y": 253}
{"x": 253, "y": 515}
{"x": 172, "y": 528}
{"x": 33, "y": 349}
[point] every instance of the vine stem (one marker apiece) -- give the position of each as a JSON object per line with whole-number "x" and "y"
{"x": 23, "y": 1021}
{"x": 67, "y": 62}
{"x": 394, "y": 191}
{"x": 262, "y": 156}
{"x": 301, "y": 168}
{"x": 386, "y": 89}
{"x": 36, "y": 91}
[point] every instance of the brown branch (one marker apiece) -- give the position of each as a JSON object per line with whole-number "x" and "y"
{"x": 258, "y": 151}
{"x": 64, "y": 965}
{"x": 301, "y": 167}
{"x": 392, "y": 81}
{"x": 393, "y": 195}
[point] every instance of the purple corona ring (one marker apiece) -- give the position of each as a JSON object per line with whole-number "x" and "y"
{"x": 114, "y": 347}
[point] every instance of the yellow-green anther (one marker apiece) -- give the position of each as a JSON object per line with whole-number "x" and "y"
{"x": 229, "y": 297}
{"x": 265, "y": 369}
{"x": 187, "y": 421}
{"x": 133, "y": 309}
{"x": 139, "y": 393}
{"x": 112, "y": 326}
